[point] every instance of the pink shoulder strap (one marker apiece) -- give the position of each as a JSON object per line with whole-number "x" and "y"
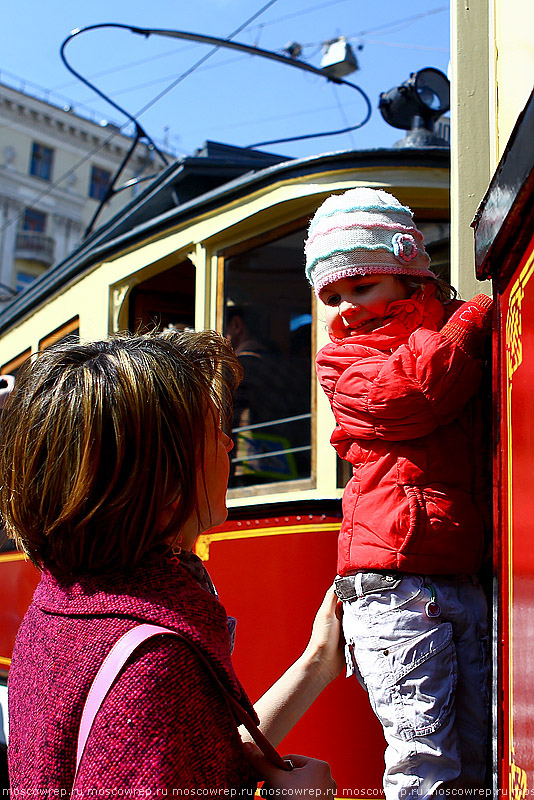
{"x": 106, "y": 675}
{"x": 111, "y": 668}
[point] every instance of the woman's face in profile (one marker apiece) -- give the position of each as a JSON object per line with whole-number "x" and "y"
{"x": 212, "y": 483}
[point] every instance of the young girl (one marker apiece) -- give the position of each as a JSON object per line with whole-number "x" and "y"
{"x": 402, "y": 372}
{"x": 113, "y": 462}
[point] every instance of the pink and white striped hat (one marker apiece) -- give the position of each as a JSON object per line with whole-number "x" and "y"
{"x": 363, "y": 232}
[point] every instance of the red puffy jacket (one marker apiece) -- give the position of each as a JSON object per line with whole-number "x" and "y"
{"x": 408, "y": 419}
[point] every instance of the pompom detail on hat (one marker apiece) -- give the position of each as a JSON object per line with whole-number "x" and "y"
{"x": 363, "y": 231}
{"x": 404, "y": 247}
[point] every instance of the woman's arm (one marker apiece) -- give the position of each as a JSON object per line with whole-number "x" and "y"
{"x": 292, "y": 694}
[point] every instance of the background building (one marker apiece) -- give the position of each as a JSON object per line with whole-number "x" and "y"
{"x": 55, "y": 167}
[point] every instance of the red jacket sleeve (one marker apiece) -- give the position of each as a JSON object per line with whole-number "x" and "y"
{"x": 470, "y": 325}
{"x": 423, "y": 384}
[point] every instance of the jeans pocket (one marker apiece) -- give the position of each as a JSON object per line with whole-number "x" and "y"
{"x": 420, "y": 679}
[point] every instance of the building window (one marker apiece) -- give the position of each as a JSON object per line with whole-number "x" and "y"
{"x": 32, "y": 243}
{"x": 41, "y": 163}
{"x": 25, "y": 277}
{"x": 100, "y": 180}
{"x": 34, "y": 221}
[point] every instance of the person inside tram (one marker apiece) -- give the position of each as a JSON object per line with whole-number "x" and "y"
{"x": 114, "y": 460}
{"x": 402, "y": 372}
{"x": 271, "y": 390}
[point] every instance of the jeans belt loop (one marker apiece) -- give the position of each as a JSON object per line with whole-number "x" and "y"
{"x": 345, "y": 587}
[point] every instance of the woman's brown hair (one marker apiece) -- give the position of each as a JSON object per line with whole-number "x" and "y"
{"x": 99, "y": 438}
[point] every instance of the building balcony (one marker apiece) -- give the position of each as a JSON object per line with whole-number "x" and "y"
{"x": 35, "y": 246}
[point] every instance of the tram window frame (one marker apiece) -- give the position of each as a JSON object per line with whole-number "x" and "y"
{"x": 300, "y": 483}
{"x": 12, "y": 367}
{"x": 69, "y": 330}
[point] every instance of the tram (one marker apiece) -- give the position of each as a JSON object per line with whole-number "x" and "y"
{"x": 216, "y": 241}
{"x": 504, "y": 239}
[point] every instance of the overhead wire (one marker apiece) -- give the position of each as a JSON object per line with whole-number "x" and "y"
{"x": 158, "y": 56}
{"x": 217, "y": 42}
{"x": 390, "y": 26}
{"x": 54, "y": 185}
{"x": 387, "y": 26}
{"x": 409, "y": 46}
{"x": 204, "y": 58}
{"x": 86, "y": 157}
{"x": 124, "y": 67}
{"x": 246, "y": 25}
{"x": 412, "y": 18}
{"x": 301, "y": 13}
{"x": 342, "y": 112}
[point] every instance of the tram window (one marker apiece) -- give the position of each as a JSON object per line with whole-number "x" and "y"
{"x": 343, "y": 472}
{"x": 166, "y": 299}
{"x": 437, "y": 243}
{"x": 267, "y": 310}
{"x": 7, "y": 544}
{"x": 68, "y": 332}
{"x": 13, "y": 366}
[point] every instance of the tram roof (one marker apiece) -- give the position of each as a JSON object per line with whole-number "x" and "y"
{"x": 198, "y": 184}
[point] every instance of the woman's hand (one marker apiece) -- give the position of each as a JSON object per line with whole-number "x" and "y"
{"x": 326, "y": 641}
{"x": 309, "y": 775}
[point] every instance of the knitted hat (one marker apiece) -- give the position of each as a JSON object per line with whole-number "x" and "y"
{"x": 363, "y": 232}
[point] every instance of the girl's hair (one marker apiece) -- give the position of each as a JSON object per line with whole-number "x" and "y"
{"x": 444, "y": 291}
{"x": 99, "y": 438}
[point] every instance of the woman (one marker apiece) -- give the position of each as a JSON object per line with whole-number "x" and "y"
{"x": 114, "y": 461}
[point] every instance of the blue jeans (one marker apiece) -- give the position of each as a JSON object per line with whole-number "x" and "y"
{"x": 426, "y": 670}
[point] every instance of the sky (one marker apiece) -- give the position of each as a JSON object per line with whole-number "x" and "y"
{"x": 230, "y": 97}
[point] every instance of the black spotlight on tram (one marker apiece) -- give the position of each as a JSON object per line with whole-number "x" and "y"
{"x": 416, "y": 105}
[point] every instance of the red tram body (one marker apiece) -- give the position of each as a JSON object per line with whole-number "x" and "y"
{"x": 274, "y": 599}
{"x": 504, "y": 235}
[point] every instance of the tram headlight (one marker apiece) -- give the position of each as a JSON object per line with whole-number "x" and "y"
{"x": 425, "y": 95}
